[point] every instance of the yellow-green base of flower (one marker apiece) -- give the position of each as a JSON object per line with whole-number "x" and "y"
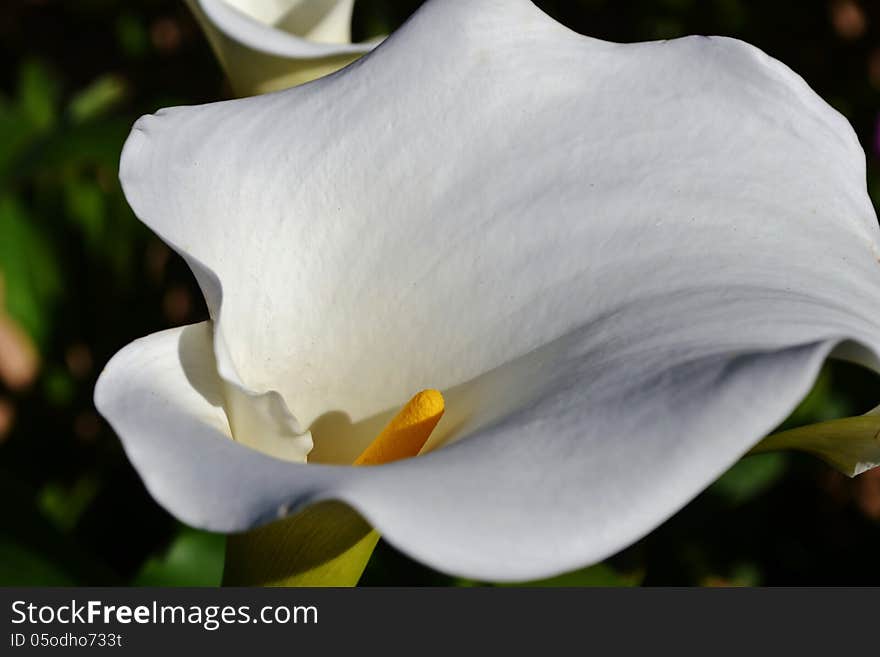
{"x": 327, "y": 544}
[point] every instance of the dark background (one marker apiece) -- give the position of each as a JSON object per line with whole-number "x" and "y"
{"x": 81, "y": 278}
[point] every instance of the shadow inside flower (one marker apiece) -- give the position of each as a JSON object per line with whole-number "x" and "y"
{"x": 340, "y": 441}
{"x": 195, "y": 350}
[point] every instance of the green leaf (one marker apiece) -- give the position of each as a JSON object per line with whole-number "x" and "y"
{"x": 35, "y": 552}
{"x": 822, "y": 403}
{"x": 194, "y": 558}
{"x": 750, "y": 477}
{"x": 38, "y": 95}
{"x": 95, "y": 144}
{"x": 16, "y": 134}
{"x": 22, "y": 567}
{"x": 86, "y": 208}
{"x": 132, "y": 36}
{"x": 32, "y": 279}
{"x": 63, "y": 505}
{"x": 59, "y": 387}
{"x": 97, "y": 99}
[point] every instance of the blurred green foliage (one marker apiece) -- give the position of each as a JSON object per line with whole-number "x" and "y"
{"x": 82, "y": 278}
{"x": 193, "y": 558}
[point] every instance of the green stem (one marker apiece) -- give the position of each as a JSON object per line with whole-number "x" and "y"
{"x": 327, "y": 544}
{"x": 850, "y": 444}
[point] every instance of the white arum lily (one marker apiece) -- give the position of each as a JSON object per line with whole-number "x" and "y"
{"x": 266, "y": 45}
{"x": 623, "y": 265}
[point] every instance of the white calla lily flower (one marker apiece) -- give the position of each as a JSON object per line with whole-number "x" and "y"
{"x": 623, "y": 265}
{"x": 267, "y": 45}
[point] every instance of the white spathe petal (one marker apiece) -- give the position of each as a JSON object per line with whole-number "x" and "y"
{"x": 537, "y": 205}
{"x": 623, "y": 265}
{"x": 163, "y": 396}
{"x": 324, "y": 21}
{"x": 266, "y": 45}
